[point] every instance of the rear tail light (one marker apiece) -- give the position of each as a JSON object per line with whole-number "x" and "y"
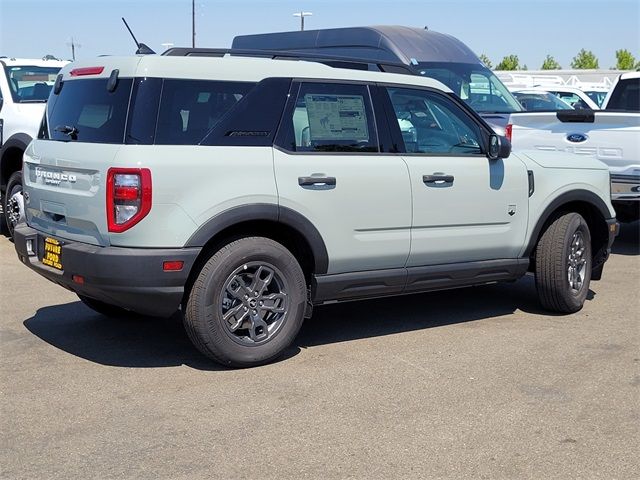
{"x": 508, "y": 130}
{"x": 128, "y": 197}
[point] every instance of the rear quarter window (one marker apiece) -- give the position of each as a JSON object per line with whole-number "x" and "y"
{"x": 189, "y": 109}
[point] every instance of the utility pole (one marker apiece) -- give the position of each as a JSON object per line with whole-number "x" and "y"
{"x": 193, "y": 23}
{"x": 73, "y": 46}
{"x": 302, "y": 15}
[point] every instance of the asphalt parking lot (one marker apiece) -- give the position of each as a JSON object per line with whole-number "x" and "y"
{"x": 473, "y": 383}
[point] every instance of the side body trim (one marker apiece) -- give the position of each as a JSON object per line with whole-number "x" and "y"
{"x": 368, "y": 284}
{"x": 262, "y": 212}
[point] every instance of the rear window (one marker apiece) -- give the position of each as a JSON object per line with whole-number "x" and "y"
{"x": 85, "y": 111}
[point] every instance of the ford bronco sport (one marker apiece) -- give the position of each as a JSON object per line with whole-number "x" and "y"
{"x": 243, "y": 191}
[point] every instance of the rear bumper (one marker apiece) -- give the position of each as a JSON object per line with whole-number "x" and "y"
{"x": 131, "y": 278}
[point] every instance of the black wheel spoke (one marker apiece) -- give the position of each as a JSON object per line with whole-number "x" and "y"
{"x": 274, "y": 302}
{"x": 235, "y": 316}
{"x": 259, "y": 330}
{"x": 261, "y": 280}
{"x": 237, "y": 288}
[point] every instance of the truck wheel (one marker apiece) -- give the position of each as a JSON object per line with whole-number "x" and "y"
{"x": 13, "y": 207}
{"x": 106, "y": 309}
{"x": 563, "y": 264}
{"x": 247, "y": 303}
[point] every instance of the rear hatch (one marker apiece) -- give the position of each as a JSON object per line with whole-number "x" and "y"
{"x": 65, "y": 169}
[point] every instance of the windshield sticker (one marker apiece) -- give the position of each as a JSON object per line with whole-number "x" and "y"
{"x": 336, "y": 117}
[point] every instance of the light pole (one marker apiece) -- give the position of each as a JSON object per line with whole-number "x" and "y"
{"x": 302, "y": 15}
{"x": 193, "y": 23}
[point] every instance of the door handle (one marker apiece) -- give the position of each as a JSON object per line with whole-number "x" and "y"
{"x": 320, "y": 181}
{"x": 437, "y": 179}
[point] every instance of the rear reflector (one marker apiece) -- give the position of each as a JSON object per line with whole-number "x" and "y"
{"x": 172, "y": 265}
{"x": 79, "y": 279}
{"x": 79, "y": 72}
{"x": 508, "y": 130}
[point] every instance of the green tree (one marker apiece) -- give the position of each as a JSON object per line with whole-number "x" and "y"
{"x": 550, "y": 64}
{"x": 510, "y": 62}
{"x": 625, "y": 60}
{"x": 487, "y": 63}
{"x": 585, "y": 59}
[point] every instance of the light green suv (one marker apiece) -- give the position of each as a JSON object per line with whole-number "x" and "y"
{"x": 244, "y": 191}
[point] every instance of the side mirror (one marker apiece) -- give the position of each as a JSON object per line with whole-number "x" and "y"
{"x": 499, "y": 147}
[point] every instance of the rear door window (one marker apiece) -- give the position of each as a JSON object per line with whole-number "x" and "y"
{"x": 332, "y": 118}
{"x": 85, "y": 111}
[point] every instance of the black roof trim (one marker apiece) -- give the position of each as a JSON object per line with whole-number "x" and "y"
{"x": 338, "y": 61}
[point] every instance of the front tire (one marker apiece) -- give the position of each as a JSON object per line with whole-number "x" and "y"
{"x": 563, "y": 264}
{"x": 247, "y": 303}
{"x": 13, "y": 207}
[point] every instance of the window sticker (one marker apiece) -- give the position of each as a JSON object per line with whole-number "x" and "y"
{"x": 336, "y": 117}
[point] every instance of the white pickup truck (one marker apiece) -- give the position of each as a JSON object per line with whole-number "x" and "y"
{"x": 611, "y": 135}
{"x": 24, "y": 89}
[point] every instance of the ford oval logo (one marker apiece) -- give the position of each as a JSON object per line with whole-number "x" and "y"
{"x": 576, "y": 137}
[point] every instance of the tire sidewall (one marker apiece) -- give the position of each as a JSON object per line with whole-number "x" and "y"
{"x": 223, "y": 264}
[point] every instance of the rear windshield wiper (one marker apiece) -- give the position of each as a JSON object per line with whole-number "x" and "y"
{"x": 71, "y": 131}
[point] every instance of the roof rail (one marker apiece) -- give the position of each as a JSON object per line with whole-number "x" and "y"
{"x": 337, "y": 61}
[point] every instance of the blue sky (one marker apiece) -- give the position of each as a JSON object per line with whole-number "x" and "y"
{"x": 531, "y": 29}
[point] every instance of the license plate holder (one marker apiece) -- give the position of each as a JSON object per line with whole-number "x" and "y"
{"x": 51, "y": 253}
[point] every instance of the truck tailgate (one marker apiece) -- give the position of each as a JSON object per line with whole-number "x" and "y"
{"x": 612, "y": 137}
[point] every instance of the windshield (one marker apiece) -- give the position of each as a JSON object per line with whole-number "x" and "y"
{"x": 541, "y": 102}
{"x": 597, "y": 96}
{"x": 30, "y": 84}
{"x": 473, "y": 83}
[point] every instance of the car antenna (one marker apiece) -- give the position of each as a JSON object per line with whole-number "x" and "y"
{"x": 142, "y": 48}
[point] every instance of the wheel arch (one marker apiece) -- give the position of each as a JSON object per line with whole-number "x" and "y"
{"x": 280, "y": 224}
{"x": 592, "y": 208}
{"x": 11, "y": 156}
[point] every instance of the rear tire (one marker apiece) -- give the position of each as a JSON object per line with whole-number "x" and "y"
{"x": 247, "y": 303}
{"x": 13, "y": 203}
{"x": 563, "y": 264}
